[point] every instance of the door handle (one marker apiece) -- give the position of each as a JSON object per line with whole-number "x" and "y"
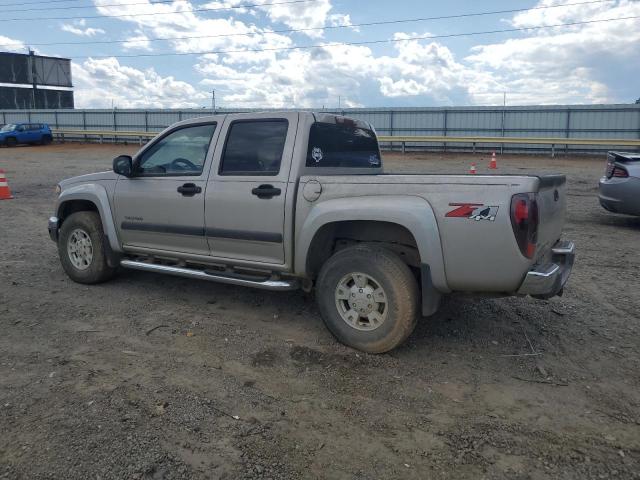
{"x": 266, "y": 191}
{"x": 189, "y": 189}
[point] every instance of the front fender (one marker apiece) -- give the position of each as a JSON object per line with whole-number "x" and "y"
{"x": 413, "y": 213}
{"x": 96, "y": 194}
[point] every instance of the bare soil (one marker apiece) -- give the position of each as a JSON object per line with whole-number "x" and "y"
{"x": 154, "y": 377}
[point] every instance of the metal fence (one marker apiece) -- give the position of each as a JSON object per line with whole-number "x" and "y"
{"x": 572, "y": 121}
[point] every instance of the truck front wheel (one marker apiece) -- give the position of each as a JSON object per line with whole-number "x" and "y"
{"x": 368, "y": 298}
{"x": 81, "y": 247}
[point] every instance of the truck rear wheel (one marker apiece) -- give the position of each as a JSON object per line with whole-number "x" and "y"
{"x": 368, "y": 298}
{"x": 81, "y": 247}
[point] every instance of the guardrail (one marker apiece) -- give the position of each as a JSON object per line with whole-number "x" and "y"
{"x": 552, "y": 142}
{"x": 62, "y": 134}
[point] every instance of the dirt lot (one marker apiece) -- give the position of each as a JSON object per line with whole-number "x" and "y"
{"x": 240, "y": 383}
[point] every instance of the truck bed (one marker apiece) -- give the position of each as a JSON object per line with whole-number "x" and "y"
{"x": 471, "y": 247}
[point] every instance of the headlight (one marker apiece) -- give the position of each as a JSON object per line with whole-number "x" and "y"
{"x": 58, "y": 190}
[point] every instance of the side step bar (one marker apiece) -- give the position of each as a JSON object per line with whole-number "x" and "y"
{"x": 269, "y": 284}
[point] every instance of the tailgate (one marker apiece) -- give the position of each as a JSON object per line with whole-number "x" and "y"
{"x": 552, "y": 204}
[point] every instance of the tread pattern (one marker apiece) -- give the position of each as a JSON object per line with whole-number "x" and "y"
{"x": 399, "y": 283}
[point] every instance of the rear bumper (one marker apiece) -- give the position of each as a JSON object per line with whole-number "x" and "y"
{"x": 548, "y": 280}
{"x": 620, "y": 195}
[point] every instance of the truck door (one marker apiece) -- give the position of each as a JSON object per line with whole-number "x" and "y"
{"x": 245, "y": 199}
{"x": 162, "y": 206}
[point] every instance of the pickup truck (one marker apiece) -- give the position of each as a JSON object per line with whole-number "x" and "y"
{"x": 290, "y": 200}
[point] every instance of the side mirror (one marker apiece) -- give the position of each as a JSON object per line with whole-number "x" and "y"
{"x": 123, "y": 165}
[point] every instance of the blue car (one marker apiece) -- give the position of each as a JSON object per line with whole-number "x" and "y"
{"x": 33, "y": 133}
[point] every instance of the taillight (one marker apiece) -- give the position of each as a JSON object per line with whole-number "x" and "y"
{"x": 619, "y": 172}
{"x": 609, "y": 170}
{"x": 524, "y": 220}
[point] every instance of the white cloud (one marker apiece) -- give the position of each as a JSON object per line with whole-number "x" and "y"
{"x": 558, "y": 65}
{"x": 11, "y": 45}
{"x": 562, "y": 65}
{"x": 78, "y": 27}
{"x": 101, "y": 82}
{"x": 194, "y": 33}
{"x": 138, "y": 41}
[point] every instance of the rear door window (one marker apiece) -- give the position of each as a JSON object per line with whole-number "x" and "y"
{"x": 342, "y": 146}
{"x": 254, "y": 147}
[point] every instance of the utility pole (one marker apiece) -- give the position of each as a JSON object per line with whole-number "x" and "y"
{"x": 213, "y": 101}
{"x": 34, "y": 78}
{"x": 339, "y": 102}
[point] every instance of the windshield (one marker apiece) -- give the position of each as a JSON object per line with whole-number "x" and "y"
{"x": 8, "y": 128}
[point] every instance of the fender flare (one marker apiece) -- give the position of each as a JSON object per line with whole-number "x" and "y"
{"x": 96, "y": 194}
{"x": 411, "y": 212}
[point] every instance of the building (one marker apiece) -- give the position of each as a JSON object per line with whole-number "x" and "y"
{"x": 35, "y": 82}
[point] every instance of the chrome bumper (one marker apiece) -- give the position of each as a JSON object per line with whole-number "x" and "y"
{"x": 548, "y": 280}
{"x": 53, "y": 226}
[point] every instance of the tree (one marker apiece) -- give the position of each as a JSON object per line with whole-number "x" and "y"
{"x": 638, "y": 101}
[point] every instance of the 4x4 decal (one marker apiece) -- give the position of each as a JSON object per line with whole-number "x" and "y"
{"x": 473, "y": 211}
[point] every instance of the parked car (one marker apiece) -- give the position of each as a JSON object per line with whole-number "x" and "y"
{"x": 13, "y": 134}
{"x": 281, "y": 201}
{"x": 619, "y": 189}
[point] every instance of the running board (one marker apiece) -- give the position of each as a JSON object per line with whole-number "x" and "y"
{"x": 269, "y": 284}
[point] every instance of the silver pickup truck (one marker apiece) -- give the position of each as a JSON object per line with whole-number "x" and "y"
{"x": 291, "y": 200}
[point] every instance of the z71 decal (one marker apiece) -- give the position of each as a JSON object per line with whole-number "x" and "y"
{"x": 473, "y": 211}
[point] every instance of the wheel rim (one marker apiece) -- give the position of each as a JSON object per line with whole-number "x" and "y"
{"x": 361, "y": 301}
{"x": 80, "y": 249}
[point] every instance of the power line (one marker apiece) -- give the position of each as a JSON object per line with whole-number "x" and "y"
{"x": 70, "y": 7}
{"x": 329, "y": 27}
{"x": 39, "y": 1}
{"x": 193, "y": 10}
{"x": 60, "y": 1}
{"x": 368, "y": 42}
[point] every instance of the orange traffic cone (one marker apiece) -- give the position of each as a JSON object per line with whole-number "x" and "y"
{"x": 5, "y": 193}
{"x": 493, "y": 164}
{"x": 472, "y": 170}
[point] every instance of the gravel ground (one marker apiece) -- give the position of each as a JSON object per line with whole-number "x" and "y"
{"x": 237, "y": 383}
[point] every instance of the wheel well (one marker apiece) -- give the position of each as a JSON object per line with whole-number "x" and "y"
{"x": 73, "y": 206}
{"x": 335, "y": 236}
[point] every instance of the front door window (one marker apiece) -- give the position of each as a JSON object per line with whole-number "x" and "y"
{"x": 180, "y": 153}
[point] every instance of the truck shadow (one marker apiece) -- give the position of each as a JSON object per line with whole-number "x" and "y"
{"x": 619, "y": 221}
{"x": 463, "y": 324}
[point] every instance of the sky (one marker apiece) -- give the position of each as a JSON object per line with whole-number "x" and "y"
{"x": 314, "y": 53}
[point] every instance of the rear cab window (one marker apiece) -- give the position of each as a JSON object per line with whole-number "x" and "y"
{"x": 343, "y": 144}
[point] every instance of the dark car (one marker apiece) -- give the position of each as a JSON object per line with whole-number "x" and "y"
{"x": 32, "y": 133}
{"x": 619, "y": 189}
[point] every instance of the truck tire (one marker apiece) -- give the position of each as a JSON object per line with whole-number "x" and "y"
{"x": 368, "y": 298}
{"x": 81, "y": 247}
{"x": 46, "y": 140}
